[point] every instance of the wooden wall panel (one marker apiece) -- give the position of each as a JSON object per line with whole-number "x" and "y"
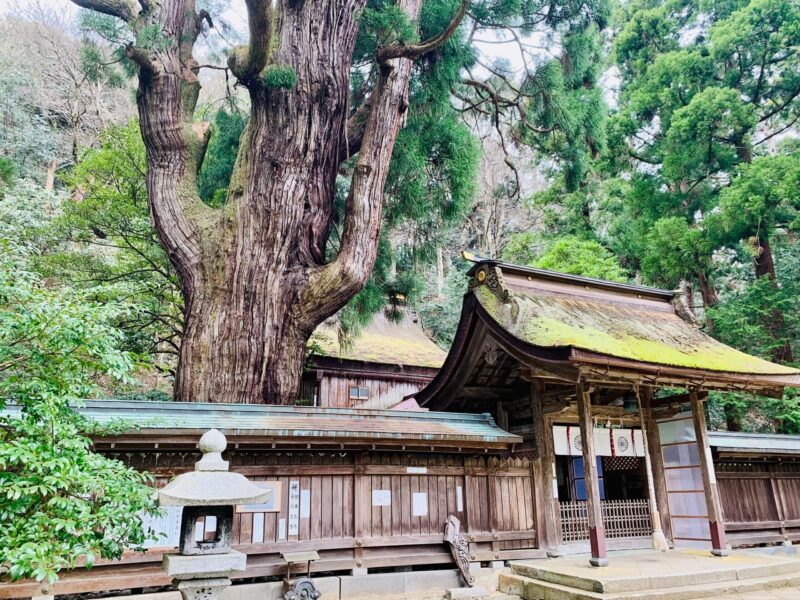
{"x": 383, "y": 393}
{"x": 761, "y": 500}
{"x": 497, "y": 510}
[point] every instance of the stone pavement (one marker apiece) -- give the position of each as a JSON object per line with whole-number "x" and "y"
{"x": 675, "y": 575}
{"x": 792, "y": 593}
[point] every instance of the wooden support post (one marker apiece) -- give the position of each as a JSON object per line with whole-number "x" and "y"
{"x": 657, "y": 460}
{"x": 658, "y": 539}
{"x": 361, "y": 514}
{"x": 594, "y": 512}
{"x": 548, "y": 528}
{"x": 718, "y": 542}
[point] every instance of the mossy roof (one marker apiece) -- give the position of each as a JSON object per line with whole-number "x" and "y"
{"x": 629, "y": 331}
{"x": 383, "y": 341}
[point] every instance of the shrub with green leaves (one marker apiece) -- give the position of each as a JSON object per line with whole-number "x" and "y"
{"x": 61, "y": 504}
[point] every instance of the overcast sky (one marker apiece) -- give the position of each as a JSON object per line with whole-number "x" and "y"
{"x": 236, "y": 16}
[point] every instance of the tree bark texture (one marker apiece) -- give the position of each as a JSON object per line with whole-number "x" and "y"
{"x": 254, "y": 273}
{"x": 776, "y": 325}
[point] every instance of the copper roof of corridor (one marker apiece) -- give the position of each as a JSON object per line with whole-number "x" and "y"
{"x": 181, "y": 423}
{"x": 523, "y": 321}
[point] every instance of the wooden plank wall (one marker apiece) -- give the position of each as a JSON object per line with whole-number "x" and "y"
{"x": 383, "y": 393}
{"x": 493, "y": 498}
{"x": 760, "y": 500}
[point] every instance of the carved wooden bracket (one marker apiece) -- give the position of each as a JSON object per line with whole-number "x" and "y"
{"x": 459, "y": 548}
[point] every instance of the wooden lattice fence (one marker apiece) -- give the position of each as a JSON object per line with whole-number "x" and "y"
{"x": 621, "y": 518}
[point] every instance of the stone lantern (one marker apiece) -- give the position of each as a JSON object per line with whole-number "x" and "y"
{"x": 208, "y": 495}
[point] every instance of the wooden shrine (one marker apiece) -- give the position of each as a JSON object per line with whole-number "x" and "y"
{"x": 539, "y": 350}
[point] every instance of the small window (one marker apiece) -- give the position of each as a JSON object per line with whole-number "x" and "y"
{"x": 358, "y": 394}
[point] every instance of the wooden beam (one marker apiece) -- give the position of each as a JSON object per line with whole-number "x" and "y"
{"x": 472, "y": 392}
{"x": 544, "y": 475}
{"x": 597, "y": 534}
{"x": 715, "y": 520}
{"x": 675, "y": 399}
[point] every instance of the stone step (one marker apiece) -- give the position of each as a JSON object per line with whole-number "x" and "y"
{"x": 531, "y": 589}
{"x": 477, "y": 593}
{"x": 724, "y": 572}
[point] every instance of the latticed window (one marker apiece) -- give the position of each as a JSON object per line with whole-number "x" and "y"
{"x": 358, "y": 393}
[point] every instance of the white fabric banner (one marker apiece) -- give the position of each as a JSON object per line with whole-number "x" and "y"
{"x": 627, "y": 442}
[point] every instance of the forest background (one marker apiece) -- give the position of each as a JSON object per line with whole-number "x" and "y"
{"x": 665, "y": 153}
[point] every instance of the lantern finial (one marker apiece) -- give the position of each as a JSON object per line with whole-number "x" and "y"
{"x": 212, "y": 445}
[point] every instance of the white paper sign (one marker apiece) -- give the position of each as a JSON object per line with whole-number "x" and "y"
{"x": 294, "y": 507}
{"x": 381, "y": 497}
{"x": 305, "y": 504}
{"x": 166, "y": 529}
{"x": 419, "y": 505}
{"x": 258, "y": 528}
{"x": 417, "y": 470}
{"x": 459, "y": 499}
{"x": 555, "y": 488}
{"x": 281, "y": 529}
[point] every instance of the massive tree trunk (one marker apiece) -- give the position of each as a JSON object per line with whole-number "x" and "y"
{"x": 254, "y": 273}
{"x": 776, "y": 325}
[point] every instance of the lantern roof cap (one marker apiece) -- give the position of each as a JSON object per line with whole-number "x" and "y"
{"x": 211, "y": 484}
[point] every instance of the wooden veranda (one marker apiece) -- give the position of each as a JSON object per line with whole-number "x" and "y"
{"x": 540, "y": 350}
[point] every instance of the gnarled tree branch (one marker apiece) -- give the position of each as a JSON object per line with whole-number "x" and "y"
{"x": 246, "y": 62}
{"x": 414, "y": 51}
{"x": 122, "y": 9}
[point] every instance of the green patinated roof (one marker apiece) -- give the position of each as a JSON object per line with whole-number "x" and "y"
{"x": 382, "y": 341}
{"x": 298, "y": 423}
{"x": 615, "y": 329}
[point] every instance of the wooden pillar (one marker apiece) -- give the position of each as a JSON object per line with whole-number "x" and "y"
{"x": 657, "y": 461}
{"x": 597, "y": 533}
{"x": 718, "y": 542}
{"x": 545, "y": 490}
{"x": 362, "y": 512}
{"x": 658, "y": 539}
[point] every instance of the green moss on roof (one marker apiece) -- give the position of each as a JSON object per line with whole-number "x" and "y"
{"x": 622, "y": 331}
{"x": 382, "y": 341}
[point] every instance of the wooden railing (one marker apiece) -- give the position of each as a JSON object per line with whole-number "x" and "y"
{"x": 621, "y": 518}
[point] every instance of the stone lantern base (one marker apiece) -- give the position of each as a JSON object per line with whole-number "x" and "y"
{"x": 203, "y": 589}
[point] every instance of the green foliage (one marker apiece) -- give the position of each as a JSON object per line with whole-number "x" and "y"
{"x": 384, "y": 23}
{"x": 764, "y": 193}
{"x": 707, "y": 134}
{"x": 220, "y": 156}
{"x": 440, "y": 313}
{"x": 27, "y": 140}
{"x": 61, "y": 503}
{"x": 581, "y": 257}
{"x": 7, "y": 171}
{"x": 673, "y": 251}
{"x": 280, "y": 76}
{"x": 107, "y": 237}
